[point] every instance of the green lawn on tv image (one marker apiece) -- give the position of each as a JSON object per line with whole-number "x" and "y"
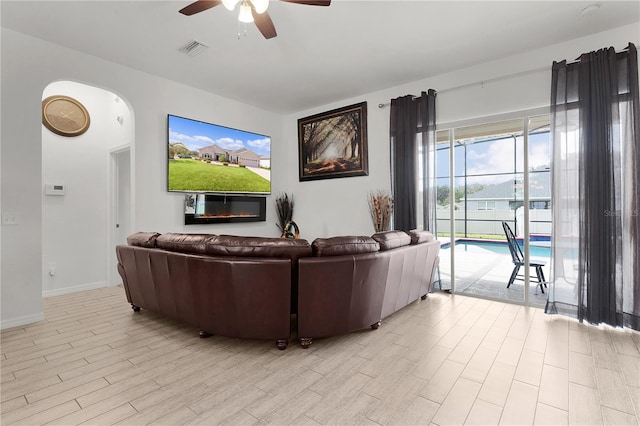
{"x": 194, "y": 175}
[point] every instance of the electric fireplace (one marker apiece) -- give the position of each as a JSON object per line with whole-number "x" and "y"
{"x": 209, "y": 208}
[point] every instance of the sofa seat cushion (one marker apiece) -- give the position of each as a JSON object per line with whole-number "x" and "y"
{"x": 418, "y": 236}
{"x": 143, "y": 239}
{"x": 232, "y": 245}
{"x": 338, "y": 246}
{"x": 391, "y": 239}
{"x": 184, "y": 243}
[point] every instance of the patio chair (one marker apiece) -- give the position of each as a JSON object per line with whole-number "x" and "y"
{"x": 518, "y": 260}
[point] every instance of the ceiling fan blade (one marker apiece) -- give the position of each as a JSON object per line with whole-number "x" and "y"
{"x": 310, "y": 2}
{"x": 264, "y": 23}
{"x": 199, "y": 6}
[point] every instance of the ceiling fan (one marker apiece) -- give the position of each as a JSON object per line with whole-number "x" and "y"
{"x": 250, "y": 11}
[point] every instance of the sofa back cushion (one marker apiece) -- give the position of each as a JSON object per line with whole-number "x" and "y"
{"x": 391, "y": 239}
{"x": 418, "y": 237}
{"x": 232, "y": 245}
{"x": 338, "y": 246}
{"x": 143, "y": 239}
{"x": 184, "y": 243}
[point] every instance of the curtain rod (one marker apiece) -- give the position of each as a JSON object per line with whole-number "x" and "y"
{"x": 482, "y": 82}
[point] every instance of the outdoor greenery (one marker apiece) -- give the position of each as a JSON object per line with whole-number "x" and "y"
{"x": 443, "y": 193}
{"x": 177, "y": 149}
{"x": 195, "y": 175}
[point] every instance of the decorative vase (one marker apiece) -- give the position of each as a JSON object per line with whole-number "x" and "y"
{"x": 290, "y": 230}
{"x": 380, "y": 207}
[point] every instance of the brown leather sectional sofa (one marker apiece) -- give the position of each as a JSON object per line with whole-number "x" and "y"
{"x": 249, "y": 287}
{"x": 354, "y": 282}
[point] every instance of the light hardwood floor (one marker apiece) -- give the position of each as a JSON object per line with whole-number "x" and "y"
{"x": 446, "y": 360}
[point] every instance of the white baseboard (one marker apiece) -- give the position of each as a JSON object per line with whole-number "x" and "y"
{"x": 73, "y": 289}
{"x": 16, "y": 322}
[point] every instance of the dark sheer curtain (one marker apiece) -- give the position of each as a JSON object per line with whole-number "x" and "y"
{"x": 412, "y": 133}
{"x": 596, "y": 188}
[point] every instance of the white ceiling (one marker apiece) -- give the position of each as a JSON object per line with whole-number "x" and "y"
{"x": 321, "y": 54}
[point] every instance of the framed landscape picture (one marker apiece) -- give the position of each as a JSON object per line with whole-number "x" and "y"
{"x": 333, "y": 144}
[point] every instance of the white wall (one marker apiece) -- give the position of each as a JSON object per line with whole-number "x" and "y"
{"x": 339, "y": 206}
{"x": 74, "y": 226}
{"x": 323, "y": 208}
{"x": 29, "y": 65}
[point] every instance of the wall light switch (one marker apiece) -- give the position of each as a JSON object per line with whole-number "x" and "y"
{"x": 10, "y": 218}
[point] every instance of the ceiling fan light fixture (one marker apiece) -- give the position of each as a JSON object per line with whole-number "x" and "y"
{"x": 260, "y": 5}
{"x": 245, "y": 13}
{"x": 230, "y": 4}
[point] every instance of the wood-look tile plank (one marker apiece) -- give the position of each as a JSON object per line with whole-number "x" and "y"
{"x": 510, "y": 351}
{"x": 395, "y": 401}
{"x": 419, "y": 412}
{"x": 529, "y": 369}
{"x": 51, "y": 413}
{"x": 241, "y": 418}
{"x": 50, "y": 368}
{"x": 289, "y": 414}
{"x": 554, "y": 387}
{"x": 340, "y": 396}
{"x": 584, "y": 405}
{"x": 581, "y": 369}
{"x": 496, "y": 386}
{"x": 630, "y": 369}
{"x": 557, "y": 353}
{"x": 458, "y": 403}
{"x": 52, "y": 401}
{"x": 467, "y": 347}
{"x": 17, "y": 388}
{"x": 179, "y": 416}
{"x": 451, "y": 339}
{"x": 617, "y": 418}
{"x": 494, "y": 338}
{"x": 634, "y": 394}
{"x": 421, "y": 360}
{"x": 426, "y": 367}
{"x": 547, "y": 415}
{"x": 483, "y": 413}
{"x": 13, "y": 404}
{"x": 163, "y": 401}
{"x": 112, "y": 416}
{"x": 613, "y": 391}
{"x": 102, "y": 401}
{"x": 520, "y": 406}
{"x": 579, "y": 342}
{"x": 623, "y": 343}
{"x": 284, "y": 392}
{"x": 536, "y": 340}
{"x": 354, "y": 413}
{"x": 438, "y": 387}
{"x": 7, "y": 376}
{"x": 217, "y": 413}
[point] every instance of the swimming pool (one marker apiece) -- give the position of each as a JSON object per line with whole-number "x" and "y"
{"x": 497, "y": 247}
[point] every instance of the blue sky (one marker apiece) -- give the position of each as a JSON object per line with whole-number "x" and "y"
{"x": 496, "y": 157}
{"x": 197, "y": 134}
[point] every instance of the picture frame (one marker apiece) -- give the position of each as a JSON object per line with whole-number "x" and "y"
{"x": 333, "y": 144}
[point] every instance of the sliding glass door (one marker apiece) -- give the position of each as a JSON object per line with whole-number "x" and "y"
{"x": 491, "y": 174}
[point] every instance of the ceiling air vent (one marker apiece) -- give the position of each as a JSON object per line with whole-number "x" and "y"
{"x": 193, "y": 48}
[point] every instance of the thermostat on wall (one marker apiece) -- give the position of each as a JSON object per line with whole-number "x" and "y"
{"x": 53, "y": 189}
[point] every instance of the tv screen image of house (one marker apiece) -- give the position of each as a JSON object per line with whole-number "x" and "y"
{"x": 205, "y": 157}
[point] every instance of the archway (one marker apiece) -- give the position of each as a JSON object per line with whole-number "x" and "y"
{"x": 78, "y": 219}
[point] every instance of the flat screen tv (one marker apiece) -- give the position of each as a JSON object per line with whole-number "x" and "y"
{"x": 205, "y": 157}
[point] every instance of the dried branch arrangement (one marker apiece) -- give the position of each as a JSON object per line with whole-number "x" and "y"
{"x": 380, "y": 207}
{"x": 284, "y": 208}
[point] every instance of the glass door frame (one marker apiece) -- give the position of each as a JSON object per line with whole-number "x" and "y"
{"x": 450, "y": 127}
